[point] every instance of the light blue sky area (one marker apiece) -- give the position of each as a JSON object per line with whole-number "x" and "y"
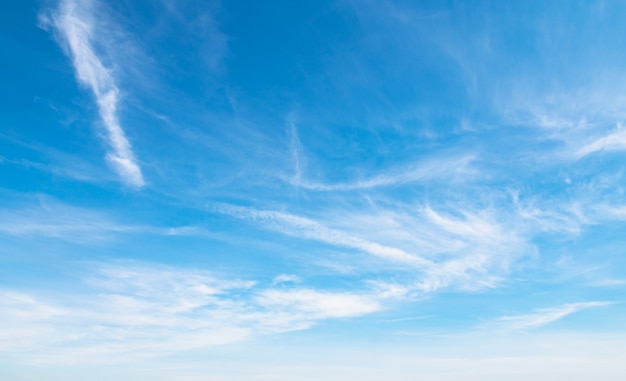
{"x": 371, "y": 190}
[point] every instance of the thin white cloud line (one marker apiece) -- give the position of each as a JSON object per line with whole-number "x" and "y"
{"x": 72, "y": 21}
{"x": 309, "y": 229}
{"x": 612, "y": 142}
{"x": 295, "y": 149}
{"x": 423, "y": 171}
{"x": 82, "y": 231}
{"x": 609, "y": 283}
{"x": 399, "y": 320}
{"x": 61, "y": 221}
{"x": 544, "y": 316}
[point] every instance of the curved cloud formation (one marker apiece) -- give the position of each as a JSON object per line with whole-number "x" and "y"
{"x": 73, "y": 21}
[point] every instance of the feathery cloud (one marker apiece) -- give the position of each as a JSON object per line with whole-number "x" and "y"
{"x": 455, "y": 167}
{"x": 545, "y": 316}
{"x": 306, "y": 228}
{"x": 128, "y": 309}
{"x": 75, "y": 25}
{"x": 612, "y": 142}
{"x": 470, "y": 251}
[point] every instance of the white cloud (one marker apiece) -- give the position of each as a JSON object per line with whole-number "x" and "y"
{"x": 545, "y": 316}
{"x": 27, "y": 308}
{"x": 47, "y": 217}
{"x": 611, "y": 142}
{"x": 75, "y": 26}
{"x": 319, "y": 305}
{"x": 609, "y": 283}
{"x": 306, "y": 228}
{"x": 295, "y": 149}
{"x": 455, "y": 168}
{"x": 471, "y": 250}
{"x": 25, "y": 320}
{"x": 52, "y": 219}
{"x": 127, "y": 310}
{"x": 286, "y": 278}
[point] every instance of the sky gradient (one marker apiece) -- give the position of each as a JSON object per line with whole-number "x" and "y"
{"x": 339, "y": 190}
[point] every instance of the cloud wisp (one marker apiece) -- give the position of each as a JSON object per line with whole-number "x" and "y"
{"x": 302, "y": 227}
{"x": 436, "y": 250}
{"x": 75, "y": 26}
{"x": 615, "y": 141}
{"x": 432, "y": 169}
{"x": 134, "y": 309}
{"x": 544, "y": 316}
{"x": 49, "y": 218}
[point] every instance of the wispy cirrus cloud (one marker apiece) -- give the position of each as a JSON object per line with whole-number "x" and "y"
{"x": 452, "y": 168}
{"x": 52, "y": 219}
{"x": 306, "y": 228}
{"x": 295, "y": 149}
{"x": 75, "y": 25}
{"x": 137, "y": 309}
{"x": 544, "y": 316}
{"x": 471, "y": 250}
{"x": 614, "y": 141}
{"x": 24, "y": 317}
{"x": 47, "y": 217}
{"x": 609, "y": 283}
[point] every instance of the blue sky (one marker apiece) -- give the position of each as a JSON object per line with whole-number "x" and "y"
{"x": 204, "y": 190}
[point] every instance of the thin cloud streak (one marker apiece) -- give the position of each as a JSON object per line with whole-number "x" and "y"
{"x": 306, "y": 228}
{"x": 544, "y": 316}
{"x": 612, "y": 142}
{"x": 47, "y": 217}
{"x": 55, "y": 220}
{"x": 73, "y": 22}
{"x": 421, "y": 172}
{"x": 295, "y": 149}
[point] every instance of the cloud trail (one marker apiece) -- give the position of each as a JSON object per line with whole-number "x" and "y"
{"x": 295, "y": 147}
{"x": 74, "y": 22}
{"x": 305, "y": 228}
{"x": 545, "y": 316}
{"x": 612, "y": 142}
{"x": 428, "y": 170}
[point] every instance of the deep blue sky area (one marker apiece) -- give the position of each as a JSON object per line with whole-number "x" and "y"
{"x": 338, "y": 190}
